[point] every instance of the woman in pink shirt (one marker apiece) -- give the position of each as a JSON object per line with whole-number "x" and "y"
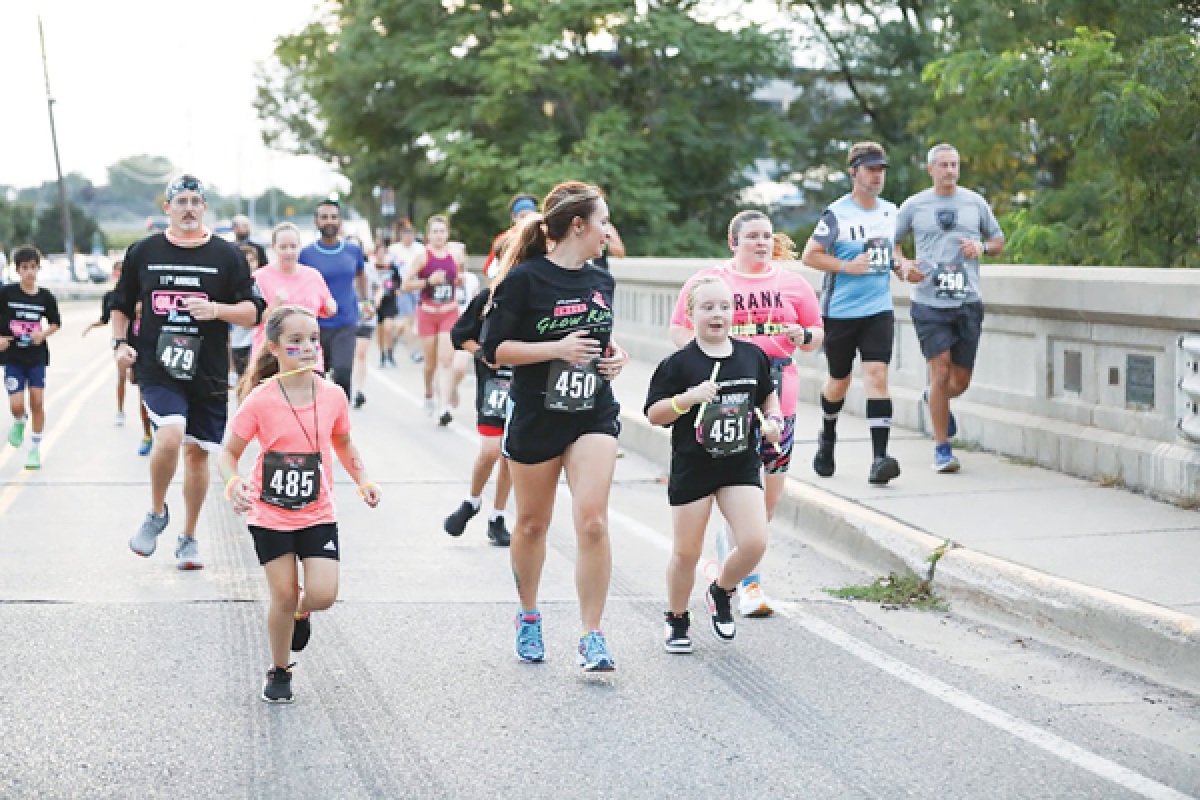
{"x": 285, "y": 281}
{"x": 777, "y": 310}
{"x": 300, "y": 420}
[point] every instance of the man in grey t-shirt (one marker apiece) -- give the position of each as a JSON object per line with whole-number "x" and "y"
{"x": 952, "y": 228}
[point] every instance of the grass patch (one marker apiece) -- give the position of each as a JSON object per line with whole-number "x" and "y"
{"x": 967, "y": 445}
{"x": 1023, "y": 461}
{"x": 895, "y": 591}
{"x": 1111, "y": 481}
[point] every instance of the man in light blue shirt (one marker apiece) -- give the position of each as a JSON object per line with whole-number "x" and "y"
{"x": 953, "y": 228}
{"x": 343, "y": 266}
{"x": 853, "y": 244}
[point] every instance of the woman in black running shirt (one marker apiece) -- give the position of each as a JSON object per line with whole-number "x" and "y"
{"x": 551, "y": 319}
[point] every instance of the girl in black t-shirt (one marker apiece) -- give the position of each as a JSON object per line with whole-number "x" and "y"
{"x": 711, "y": 393}
{"x": 551, "y": 319}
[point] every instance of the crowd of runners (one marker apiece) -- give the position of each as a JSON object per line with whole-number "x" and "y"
{"x": 289, "y": 328}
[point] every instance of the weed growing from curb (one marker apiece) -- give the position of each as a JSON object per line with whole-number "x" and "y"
{"x": 903, "y": 591}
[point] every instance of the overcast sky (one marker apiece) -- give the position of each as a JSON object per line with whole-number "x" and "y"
{"x": 146, "y": 76}
{"x": 162, "y": 78}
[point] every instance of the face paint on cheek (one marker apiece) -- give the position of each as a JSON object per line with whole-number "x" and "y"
{"x": 294, "y": 352}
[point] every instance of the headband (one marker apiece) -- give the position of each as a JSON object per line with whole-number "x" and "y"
{"x": 523, "y": 204}
{"x": 182, "y": 183}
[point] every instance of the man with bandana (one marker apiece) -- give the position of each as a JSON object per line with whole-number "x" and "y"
{"x": 191, "y": 285}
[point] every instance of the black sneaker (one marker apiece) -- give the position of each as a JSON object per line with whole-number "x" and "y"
{"x": 497, "y": 532}
{"x": 301, "y": 633}
{"x": 883, "y": 469}
{"x": 456, "y": 523}
{"x": 823, "y": 461}
{"x": 278, "y": 686}
{"x": 676, "y": 633}
{"x": 446, "y": 418}
{"x": 359, "y": 399}
{"x": 720, "y": 607}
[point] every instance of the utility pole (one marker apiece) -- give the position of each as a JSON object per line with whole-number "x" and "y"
{"x": 68, "y": 236}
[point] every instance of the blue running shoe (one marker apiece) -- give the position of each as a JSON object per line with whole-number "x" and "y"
{"x": 944, "y": 459}
{"x": 145, "y": 446}
{"x": 593, "y": 653}
{"x": 529, "y": 637}
{"x": 951, "y": 422}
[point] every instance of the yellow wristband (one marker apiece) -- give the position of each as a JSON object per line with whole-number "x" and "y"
{"x": 675, "y": 407}
{"x": 229, "y": 483}
{"x": 362, "y": 488}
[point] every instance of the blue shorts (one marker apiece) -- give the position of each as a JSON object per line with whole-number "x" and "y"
{"x": 17, "y": 377}
{"x": 202, "y": 418}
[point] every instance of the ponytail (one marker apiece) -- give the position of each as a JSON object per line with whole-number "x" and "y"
{"x": 526, "y": 241}
{"x": 784, "y": 249}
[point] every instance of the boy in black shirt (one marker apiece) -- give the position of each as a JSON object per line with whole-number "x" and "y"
{"x": 23, "y": 350}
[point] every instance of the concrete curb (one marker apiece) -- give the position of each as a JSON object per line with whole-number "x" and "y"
{"x": 1130, "y": 633}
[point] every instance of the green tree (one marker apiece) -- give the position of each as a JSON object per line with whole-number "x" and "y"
{"x": 16, "y": 225}
{"x": 462, "y": 105}
{"x": 1092, "y": 140}
{"x": 137, "y": 182}
{"x": 48, "y": 236}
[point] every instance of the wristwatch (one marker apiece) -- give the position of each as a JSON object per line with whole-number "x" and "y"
{"x": 118, "y": 342}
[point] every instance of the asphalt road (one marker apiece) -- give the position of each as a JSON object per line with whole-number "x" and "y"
{"x": 122, "y": 677}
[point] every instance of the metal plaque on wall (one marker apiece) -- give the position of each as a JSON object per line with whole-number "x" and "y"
{"x": 1139, "y": 381}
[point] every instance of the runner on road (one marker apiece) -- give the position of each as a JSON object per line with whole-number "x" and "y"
{"x": 436, "y": 271}
{"x": 777, "y": 310}
{"x": 717, "y": 397}
{"x": 191, "y": 285}
{"x": 300, "y": 421}
{"x": 367, "y": 320}
{"x": 287, "y": 282}
{"x": 854, "y": 245}
{"x": 953, "y": 229}
{"x": 343, "y": 267}
{"x": 491, "y": 407}
{"x": 24, "y": 306}
{"x": 400, "y": 254}
{"x": 124, "y": 374}
{"x": 551, "y": 319}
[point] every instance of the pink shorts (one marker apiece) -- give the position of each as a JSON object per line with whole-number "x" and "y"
{"x": 431, "y": 323}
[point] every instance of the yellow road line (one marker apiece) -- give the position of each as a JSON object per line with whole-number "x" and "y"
{"x": 14, "y": 488}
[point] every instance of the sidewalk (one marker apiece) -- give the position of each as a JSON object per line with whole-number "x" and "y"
{"x": 1109, "y": 571}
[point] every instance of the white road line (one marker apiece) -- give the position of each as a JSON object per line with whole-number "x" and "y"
{"x": 1043, "y": 739}
{"x": 1038, "y": 737}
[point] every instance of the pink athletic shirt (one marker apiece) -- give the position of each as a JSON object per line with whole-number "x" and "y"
{"x": 305, "y": 288}
{"x": 265, "y": 415}
{"x": 774, "y": 296}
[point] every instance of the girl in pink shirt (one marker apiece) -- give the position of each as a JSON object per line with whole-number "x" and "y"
{"x": 299, "y": 420}
{"x": 777, "y": 310}
{"x": 285, "y": 281}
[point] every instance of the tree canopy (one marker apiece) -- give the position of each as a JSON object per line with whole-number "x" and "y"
{"x": 464, "y": 104}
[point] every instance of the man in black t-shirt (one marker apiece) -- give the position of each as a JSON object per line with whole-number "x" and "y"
{"x": 191, "y": 285}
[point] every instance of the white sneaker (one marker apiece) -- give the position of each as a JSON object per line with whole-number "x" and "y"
{"x": 430, "y": 406}
{"x": 119, "y": 419}
{"x": 752, "y": 601}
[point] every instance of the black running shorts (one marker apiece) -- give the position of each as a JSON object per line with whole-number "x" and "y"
{"x": 316, "y": 541}
{"x": 870, "y": 337}
{"x": 538, "y": 435}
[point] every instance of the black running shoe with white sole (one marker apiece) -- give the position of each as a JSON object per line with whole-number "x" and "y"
{"x": 301, "y": 632}
{"x": 675, "y": 633}
{"x": 278, "y": 686}
{"x": 498, "y": 533}
{"x": 720, "y": 609}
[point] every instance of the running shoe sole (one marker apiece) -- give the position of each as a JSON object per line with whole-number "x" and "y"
{"x": 947, "y": 468}
{"x": 889, "y": 470}
{"x": 714, "y": 625}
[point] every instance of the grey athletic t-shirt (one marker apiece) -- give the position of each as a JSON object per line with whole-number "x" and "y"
{"x": 939, "y": 224}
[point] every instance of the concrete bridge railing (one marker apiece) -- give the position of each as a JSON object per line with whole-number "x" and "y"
{"x": 1090, "y": 371}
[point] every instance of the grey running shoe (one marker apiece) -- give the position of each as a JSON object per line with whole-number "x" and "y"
{"x": 278, "y": 686}
{"x": 187, "y": 554}
{"x": 146, "y": 539}
{"x": 498, "y": 533}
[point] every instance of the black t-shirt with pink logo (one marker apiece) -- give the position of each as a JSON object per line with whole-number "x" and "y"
{"x": 172, "y": 347}
{"x": 21, "y": 316}
{"x": 539, "y": 301}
